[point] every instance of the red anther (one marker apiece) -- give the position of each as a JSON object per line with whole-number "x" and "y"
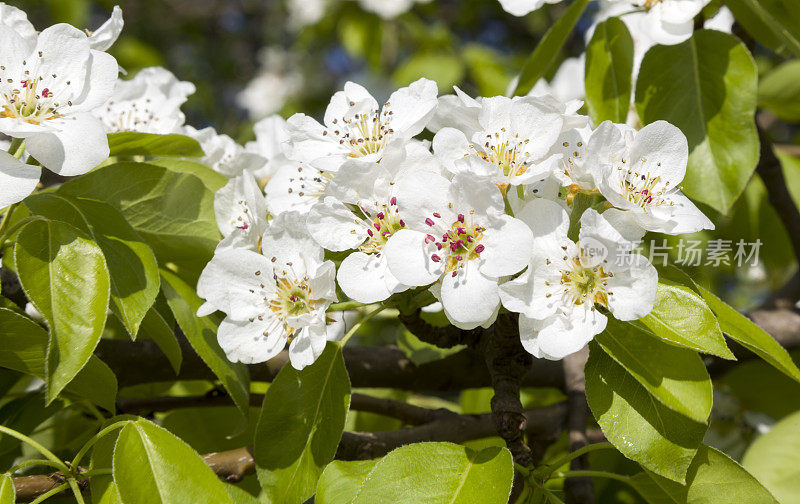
{"x": 429, "y": 221}
{"x": 461, "y": 218}
{"x": 436, "y": 214}
{"x": 479, "y": 249}
{"x": 435, "y": 258}
{"x": 380, "y": 215}
{"x": 393, "y": 201}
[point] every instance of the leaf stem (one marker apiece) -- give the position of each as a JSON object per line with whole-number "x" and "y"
{"x": 34, "y": 462}
{"x": 345, "y": 305}
{"x": 97, "y": 437}
{"x": 592, "y": 474}
{"x": 38, "y": 447}
{"x": 358, "y": 324}
{"x": 577, "y": 453}
{"x": 76, "y": 489}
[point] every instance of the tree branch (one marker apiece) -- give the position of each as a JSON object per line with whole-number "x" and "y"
{"x": 578, "y": 490}
{"x": 442, "y": 337}
{"x": 771, "y": 173}
{"x": 409, "y": 414}
{"x": 139, "y": 362}
{"x": 233, "y": 465}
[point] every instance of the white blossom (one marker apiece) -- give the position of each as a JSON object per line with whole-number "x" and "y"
{"x": 276, "y": 81}
{"x": 356, "y": 128}
{"x": 557, "y": 295}
{"x": 104, "y": 37}
{"x": 17, "y": 179}
{"x": 273, "y": 298}
{"x": 369, "y": 190}
{"x": 304, "y": 13}
{"x": 388, "y": 9}
{"x": 505, "y": 139}
{"x": 458, "y": 236}
{"x": 223, "y": 154}
{"x": 270, "y": 144}
{"x": 523, "y": 7}
{"x": 50, "y": 87}
{"x": 241, "y": 212}
{"x": 663, "y": 21}
{"x": 148, "y": 103}
{"x": 17, "y": 20}
{"x": 644, "y": 178}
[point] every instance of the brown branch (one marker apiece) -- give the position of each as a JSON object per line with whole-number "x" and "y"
{"x": 508, "y": 363}
{"x": 233, "y": 465}
{"x": 140, "y": 362}
{"x": 442, "y": 337}
{"x": 771, "y": 173}
{"x": 409, "y": 414}
{"x": 578, "y": 490}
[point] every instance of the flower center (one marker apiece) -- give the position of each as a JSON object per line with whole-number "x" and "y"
{"x": 459, "y": 242}
{"x": 24, "y": 100}
{"x": 134, "y": 116}
{"x": 244, "y": 218}
{"x": 383, "y": 225}
{"x": 364, "y": 134}
{"x": 649, "y": 4}
{"x": 506, "y": 151}
{"x": 583, "y": 284}
{"x": 292, "y": 298}
{"x": 309, "y": 182}
{"x": 644, "y": 189}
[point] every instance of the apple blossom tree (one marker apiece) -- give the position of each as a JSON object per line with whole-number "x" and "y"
{"x": 436, "y": 293}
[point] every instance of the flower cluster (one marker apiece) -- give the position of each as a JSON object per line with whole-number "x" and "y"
{"x": 483, "y": 215}
{"x": 52, "y": 84}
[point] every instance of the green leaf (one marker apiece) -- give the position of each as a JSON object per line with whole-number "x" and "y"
{"x": 157, "y": 329}
{"x": 132, "y": 267}
{"x": 774, "y": 459}
{"x": 23, "y": 346}
{"x": 201, "y": 332}
{"x": 706, "y": 86}
{"x": 681, "y": 317}
{"x": 779, "y": 91}
{"x": 173, "y": 212}
{"x": 301, "y": 423}
{"x": 713, "y": 478}
{"x": 65, "y": 276}
{"x": 7, "y": 493}
{"x": 642, "y": 429}
{"x": 439, "y": 473}
{"x": 675, "y": 376}
{"x": 743, "y": 330}
{"x": 341, "y": 481}
{"x": 213, "y": 180}
{"x": 543, "y": 57}
{"x": 769, "y": 23}
{"x": 609, "y": 70}
{"x": 131, "y": 143}
{"x": 151, "y": 466}
{"x": 102, "y": 486}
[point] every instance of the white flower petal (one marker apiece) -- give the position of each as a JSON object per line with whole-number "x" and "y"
{"x": 105, "y": 36}
{"x": 17, "y": 179}
{"x": 76, "y": 147}
{"x": 508, "y": 247}
{"x": 366, "y": 278}
{"x": 334, "y": 226}
{"x": 407, "y": 256}
{"x": 633, "y": 287}
{"x": 470, "y": 299}
{"x": 561, "y": 334}
{"x": 245, "y": 341}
